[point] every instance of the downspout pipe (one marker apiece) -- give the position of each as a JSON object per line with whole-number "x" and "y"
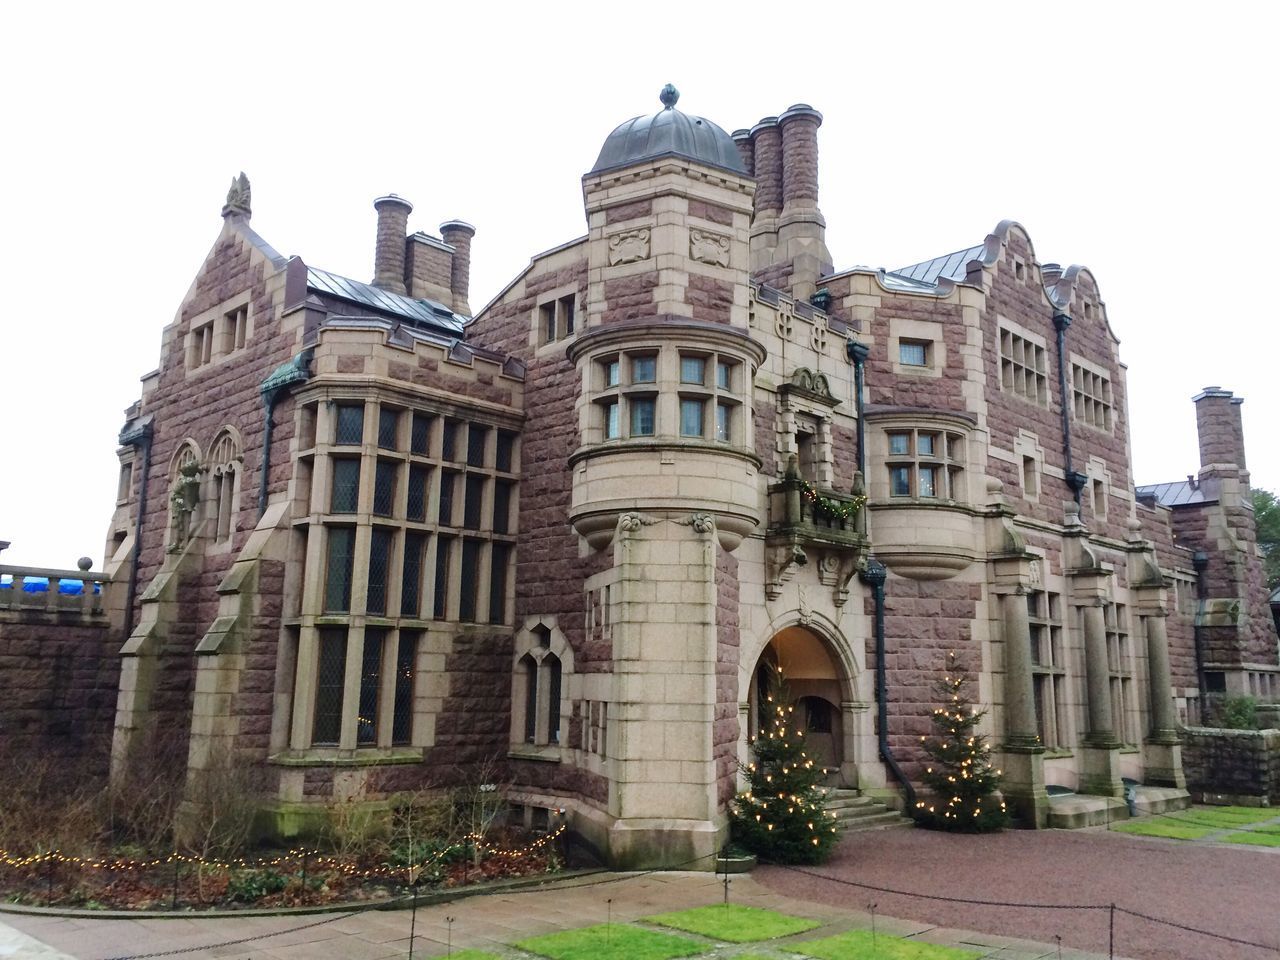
{"x": 858, "y": 352}
{"x": 1200, "y": 561}
{"x": 874, "y": 576}
{"x": 139, "y": 438}
{"x": 269, "y": 401}
{"x": 1075, "y": 481}
{"x": 276, "y": 385}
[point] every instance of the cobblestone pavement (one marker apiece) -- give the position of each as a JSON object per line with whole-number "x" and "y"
{"x": 1224, "y": 888}
{"x": 485, "y": 922}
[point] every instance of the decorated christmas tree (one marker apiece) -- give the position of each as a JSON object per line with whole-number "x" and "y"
{"x": 780, "y": 817}
{"x": 959, "y": 770}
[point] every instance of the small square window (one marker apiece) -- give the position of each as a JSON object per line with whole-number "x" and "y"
{"x": 547, "y": 321}
{"x": 724, "y": 375}
{"x": 642, "y": 417}
{"x": 926, "y": 444}
{"x": 899, "y": 444}
{"x": 612, "y": 373}
{"x": 691, "y": 417}
{"x": 349, "y": 428}
{"x": 913, "y": 353}
{"x": 644, "y": 369}
{"x": 693, "y": 370}
{"x": 900, "y": 481}
{"x": 612, "y": 429}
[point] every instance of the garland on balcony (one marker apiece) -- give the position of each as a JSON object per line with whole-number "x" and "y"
{"x": 836, "y": 509}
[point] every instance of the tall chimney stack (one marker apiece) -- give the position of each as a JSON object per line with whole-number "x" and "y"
{"x": 801, "y": 229}
{"x": 1220, "y": 430}
{"x": 458, "y": 234}
{"x": 388, "y": 254}
{"x": 766, "y": 166}
{"x": 742, "y": 140}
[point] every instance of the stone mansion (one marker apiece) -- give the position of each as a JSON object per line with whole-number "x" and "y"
{"x": 368, "y": 539}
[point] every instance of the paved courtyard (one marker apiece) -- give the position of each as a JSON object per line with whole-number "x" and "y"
{"x": 1227, "y": 889}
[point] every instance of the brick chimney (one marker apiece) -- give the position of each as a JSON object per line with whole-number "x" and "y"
{"x": 742, "y": 139}
{"x": 1219, "y": 428}
{"x": 458, "y": 234}
{"x": 388, "y": 254}
{"x": 802, "y": 231}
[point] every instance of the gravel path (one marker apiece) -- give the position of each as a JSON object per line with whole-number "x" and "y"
{"x": 1221, "y": 888}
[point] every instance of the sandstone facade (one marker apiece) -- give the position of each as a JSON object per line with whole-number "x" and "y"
{"x": 366, "y": 542}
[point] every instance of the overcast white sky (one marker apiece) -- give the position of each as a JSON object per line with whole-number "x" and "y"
{"x": 1135, "y": 139}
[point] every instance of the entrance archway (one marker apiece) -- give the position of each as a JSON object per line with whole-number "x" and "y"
{"x": 816, "y": 684}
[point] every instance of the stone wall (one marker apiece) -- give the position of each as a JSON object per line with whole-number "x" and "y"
{"x": 1234, "y": 766}
{"x": 57, "y": 688}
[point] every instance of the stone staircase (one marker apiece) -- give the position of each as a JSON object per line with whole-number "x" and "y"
{"x": 856, "y": 812}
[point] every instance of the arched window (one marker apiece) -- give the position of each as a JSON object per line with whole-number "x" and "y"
{"x": 225, "y": 460}
{"x": 542, "y": 659}
{"x": 184, "y": 494}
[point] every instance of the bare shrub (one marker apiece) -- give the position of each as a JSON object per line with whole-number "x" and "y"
{"x": 355, "y": 829}
{"x": 50, "y": 804}
{"x": 145, "y": 793}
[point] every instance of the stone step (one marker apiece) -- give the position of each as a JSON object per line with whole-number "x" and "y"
{"x": 853, "y": 811}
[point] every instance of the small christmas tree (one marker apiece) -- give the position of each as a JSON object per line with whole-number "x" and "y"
{"x": 960, "y": 774}
{"x": 781, "y": 817}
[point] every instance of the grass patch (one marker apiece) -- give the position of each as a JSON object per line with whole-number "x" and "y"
{"x": 734, "y": 923}
{"x": 474, "y": 955}
{"x": 1167, "y": 829}
{"x": 612, "y": 942}
{"x": 1254, "y": 838}
{"x": 1228, "y": 817}
{"x": 859, "y": 945}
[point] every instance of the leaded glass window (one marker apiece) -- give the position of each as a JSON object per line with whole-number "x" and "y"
{"x": 502, "y": 506}
{"x": 388, "y": 428}
{"x": 331, "y": 671}
{"x": 448, "y": 480}
{"x": 415, "y": 507}
{"x": 474, "y": 501}
{"x": 345, "y": 496}
{"x": 349, "y": 425}
{"x": 469, "y": 581}
{"x": 370, "y": 682}
{"x": 440, "y": 601}
{"x": 411, "y": 575}
{"x": 406, "y": 669}
{"x": 498, "y": 582}
{"x": 384, "y": 488}
{"x": 337, "y": 593}
{"x": 505, "y": 450}
{"x": 420, "y": 434}
{"x": 477, "y": 439}
{"x": 379, "y": 567}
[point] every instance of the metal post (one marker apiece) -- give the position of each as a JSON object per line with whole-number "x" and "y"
{"x": 1111, "y": 934}
{"x": 413, "y": 920}
{"x": 173, "y": 903}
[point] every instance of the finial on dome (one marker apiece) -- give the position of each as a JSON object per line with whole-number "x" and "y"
{"x": 669, "y": 96}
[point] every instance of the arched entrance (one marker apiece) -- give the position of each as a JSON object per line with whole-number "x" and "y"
{"x": 817, "y": 685}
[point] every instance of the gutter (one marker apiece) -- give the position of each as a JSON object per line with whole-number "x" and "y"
{"x": 138, "y": 437}
{"x": 1075, "y": 481}
{"x": 874, "y": 576}
{"x": 1200, "y": 561}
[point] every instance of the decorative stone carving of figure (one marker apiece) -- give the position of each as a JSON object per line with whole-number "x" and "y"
{"x": 182, "y": 503}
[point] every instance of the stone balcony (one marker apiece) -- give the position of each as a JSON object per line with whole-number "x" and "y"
{"x": 807, "y": 524}
{"x": 61, "y": 594}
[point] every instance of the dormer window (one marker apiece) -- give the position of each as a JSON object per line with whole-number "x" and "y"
{"x": 557, "y": 318}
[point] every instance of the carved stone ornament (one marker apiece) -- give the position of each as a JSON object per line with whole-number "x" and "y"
{"x": 784, "y": 560}
{"x": 702, "y": 523}
{"x": 708, "y": 247}
{"x": 630, "y": 522}
{"x": 182, "y": 504}
{"x": 802, "y": 378}
{"x": 238, "y": 197}
{"x": 818, "y": 334}
{"x": 1034, "y": 576}
{"x": 782, "y": 323}
{"x": 629, "y": 246}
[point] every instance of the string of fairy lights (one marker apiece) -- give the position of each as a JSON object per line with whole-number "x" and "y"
{"x": 302, "y": 856}
{"x": 836, "y": 509}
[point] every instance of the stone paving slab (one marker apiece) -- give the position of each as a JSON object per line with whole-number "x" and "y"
{"x": 487, "y": 923}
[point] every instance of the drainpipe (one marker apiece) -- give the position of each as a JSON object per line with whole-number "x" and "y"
{"x": 874, "y": 576}
{"x": 1200, "y": 561}
{"x": 1075, "y": 481}
{"x": 278, "y": 383}
{"x": 139, "y": 438}
{"x": 857, "y": 352}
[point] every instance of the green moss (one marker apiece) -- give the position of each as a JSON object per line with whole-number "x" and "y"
{"x": 612, "y": 942}
{"x": 860, "y": 945}
{"x": 734, "y": 923}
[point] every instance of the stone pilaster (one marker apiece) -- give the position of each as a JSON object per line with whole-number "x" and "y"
{"x": 1162, "y": 749}
{"x": 1022, "y": 783}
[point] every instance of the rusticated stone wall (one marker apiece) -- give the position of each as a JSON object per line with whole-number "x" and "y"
{"x": 724, "y": 735}
{"x": 1241, "y": 766}
{"x": 57, "y": 689}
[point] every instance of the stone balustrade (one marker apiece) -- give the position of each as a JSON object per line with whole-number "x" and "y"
{"x": 797, "y": 508}
{"x": 61, "y": 592}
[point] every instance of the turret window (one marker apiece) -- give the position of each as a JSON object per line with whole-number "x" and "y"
{"x": 642, "y": 416}
{"x": 691, "y": 417}
{"x": 929, "y": 464}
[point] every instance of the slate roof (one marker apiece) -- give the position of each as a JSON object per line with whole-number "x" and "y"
{"x": 427, "y": 313}
{"x": 951, "y": 266}
{"x": 1181, "y": 492}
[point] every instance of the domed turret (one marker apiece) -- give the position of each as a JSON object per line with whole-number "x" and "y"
{"x": 669, "y": 133}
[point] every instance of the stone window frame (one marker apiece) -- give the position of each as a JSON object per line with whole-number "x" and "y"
{"x": 713, "y": 397}
{"x": 928, "y": 333}
{"x": 1029, "y": 455}
{"x": 188, "y": 451}
{"x": 947, "y": 458}
{"x": 225, "y": 470}
{"x": 1014, "y": 372}
{"x": 1092, "y": 399}
{"x": 566, "y": 308}
{"x": 1049, "y": 674}
{"x": 124, "y": 480}
{"x": 797, "y": 408}
{"x": 540, "y": 646}
{"x": 1099, "y": 484}
{"x": 1120, "y": 671}
{"x": 314, "y": 514}
{"x": 219, "y": 333}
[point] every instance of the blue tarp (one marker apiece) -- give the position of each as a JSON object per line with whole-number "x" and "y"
{"x": 72, "y": 588}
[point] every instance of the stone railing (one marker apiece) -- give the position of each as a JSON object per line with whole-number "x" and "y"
{"x": 40, "y": 590}
{"x": 797, "y": 507}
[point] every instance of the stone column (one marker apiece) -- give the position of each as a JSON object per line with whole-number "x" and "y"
{"x": 1101, "y": 767}
{"x": 458, "y": 234}
{"x": 766, "y": 167}
{"x": 388, "y": 254}
{"x": 1163, "y": 751}
{"x": 1023, "y": 782}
